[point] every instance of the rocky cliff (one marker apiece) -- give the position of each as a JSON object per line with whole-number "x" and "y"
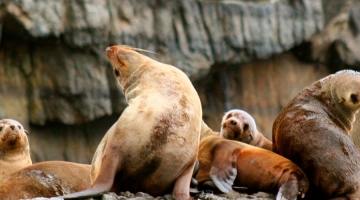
{"x": 249, "y": 54}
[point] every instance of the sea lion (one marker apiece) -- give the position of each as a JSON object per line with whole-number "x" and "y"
{"x": 229, "y": 163}
{"x": 14, "y": 147}
{"x": 312, "y": 131}
{"x": 239, "y": 125}
{"x": 46, "y": 179}
{"x": 153, "y": 146}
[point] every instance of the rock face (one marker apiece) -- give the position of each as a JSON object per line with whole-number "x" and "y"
{"x": 249, "y": 54}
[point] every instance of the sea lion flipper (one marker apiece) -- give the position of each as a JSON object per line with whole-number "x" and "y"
{"x": 84, "y": 194}
{"x": 223, "y": 170}
{"x": 194, "y": 182}
{"x": 290, "y": 189}
{"x": 181, "y": 186}
{"x": 104, "y": 180}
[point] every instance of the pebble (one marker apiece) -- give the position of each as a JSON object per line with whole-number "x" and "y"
{"x": 207, "y": 195}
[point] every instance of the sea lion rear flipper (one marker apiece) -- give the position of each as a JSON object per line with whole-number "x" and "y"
{"x": 223, "y": 170}
{"x": 289, "y": 190}
{"x": 104, "y": 180}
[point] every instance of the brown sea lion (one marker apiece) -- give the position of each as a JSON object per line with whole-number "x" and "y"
{"x": 239, "y": 125}
{"x": 229, "y": 163}
{"x": 312, "y": 131}
{"x": 14, "y": 147}
{"x": 153, "y": 146}
{"x": 46, "y": 179}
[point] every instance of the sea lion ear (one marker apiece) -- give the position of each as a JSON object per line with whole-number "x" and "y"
{"x": 27, "y": 132}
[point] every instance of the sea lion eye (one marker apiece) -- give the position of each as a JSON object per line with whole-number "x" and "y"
{"x": 354, "y": 98}
{"x": 246, "y": 127}
{"x": 19, "y": 127}
{"x": 117, "y": 72}
{"x": 229, "y": 115}
{"x": 1, "y": 128}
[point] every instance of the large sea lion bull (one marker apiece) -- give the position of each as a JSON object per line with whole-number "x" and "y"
{"x": 312, "y": 131}
{"x": 153, "y": 146}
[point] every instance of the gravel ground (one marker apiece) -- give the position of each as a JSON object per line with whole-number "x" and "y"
{"x": 199, "y": 196}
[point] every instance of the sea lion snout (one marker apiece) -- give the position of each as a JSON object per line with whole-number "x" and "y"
{"x": 231, "y": 122}
{"x": 233, "y": 127}
{"x": 10, "y": 132}
{"x": 109, "y": 51}
{"x": 7, "y": 125}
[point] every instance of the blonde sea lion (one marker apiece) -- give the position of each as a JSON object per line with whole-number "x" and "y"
{"x": 239, "y": 125}
{"x": 312, "y": 131}
{"x": 153, "y": 146}
{"x": 14, "y": 147}
{"x": 46, "y": 179}
{"x": 229, "y": 163}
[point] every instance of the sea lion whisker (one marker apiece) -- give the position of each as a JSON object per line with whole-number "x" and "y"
{"x": 138, "y": 49}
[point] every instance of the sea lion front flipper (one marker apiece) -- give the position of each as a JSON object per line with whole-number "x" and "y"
{"x": 194, "y": 182}
{"x": 84, "y": 194}
{"x": 181, "y": 188}
{"x": 223, "y": 170}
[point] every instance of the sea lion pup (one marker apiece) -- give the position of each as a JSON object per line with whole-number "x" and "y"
{"x": 240, "y": 126}
{"x": 14, "y": 147}
{"x": 153, "y": 146}
{"x": 231, "y": 163}
{"x": 46, "y": 179}
{"x": 312, "y": 131}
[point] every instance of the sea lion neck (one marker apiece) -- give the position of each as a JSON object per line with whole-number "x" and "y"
{"x": 13, "y": 153}
{"x": 339, "y": 113}
{"x": 133, "y": 81}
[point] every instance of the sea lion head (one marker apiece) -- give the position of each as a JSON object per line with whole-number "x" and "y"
{"x": 12, "y": 135}
{"x": 348, "y": 89}
{"x": 238, "y": 125}
{"x": 125, "y": 60}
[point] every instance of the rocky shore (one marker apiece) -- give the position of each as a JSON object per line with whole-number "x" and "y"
{"x": 207, "y": 195}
